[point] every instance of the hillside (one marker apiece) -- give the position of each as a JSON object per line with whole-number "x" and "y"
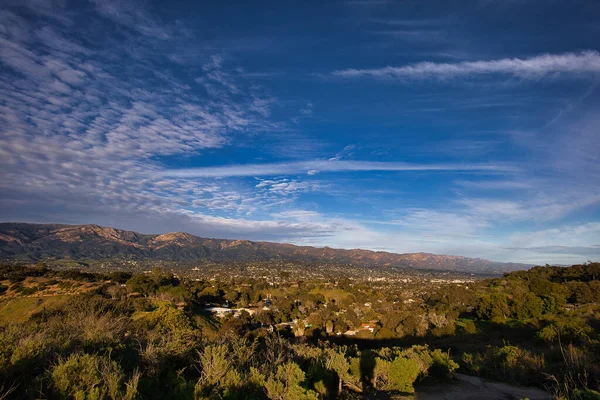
{"x": 40, "y": 241}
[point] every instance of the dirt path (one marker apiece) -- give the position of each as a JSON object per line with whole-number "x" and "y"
{"x": 473, "y": 388}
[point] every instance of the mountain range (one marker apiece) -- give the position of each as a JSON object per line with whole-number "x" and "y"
{"x": 35, "y": 242}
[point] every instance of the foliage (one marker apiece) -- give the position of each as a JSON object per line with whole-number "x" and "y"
{"x": 287, "y": 384}
{"x": 398, "y": 374}
{"x": 508, "y": 363}
{"x": 153, "y": 337}
{"x": 89, "y": 376}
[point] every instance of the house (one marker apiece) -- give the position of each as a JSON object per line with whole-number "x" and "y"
{"x": 219, "y": 311}
{"x": 367, "y": 327}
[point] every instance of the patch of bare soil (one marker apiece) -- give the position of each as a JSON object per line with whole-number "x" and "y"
{"x": 465, "y": 387}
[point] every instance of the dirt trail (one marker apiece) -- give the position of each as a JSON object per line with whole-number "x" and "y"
{"x": 473, "y": 388}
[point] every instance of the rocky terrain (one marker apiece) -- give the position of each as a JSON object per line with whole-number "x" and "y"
{"x": 35, "y": 242}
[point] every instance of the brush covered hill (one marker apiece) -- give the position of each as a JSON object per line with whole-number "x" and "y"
{"x": 35, "y": 242}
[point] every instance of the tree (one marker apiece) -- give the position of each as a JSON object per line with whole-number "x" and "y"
{"x": 160, "y": 277}
{"x": 286, "y": 384}
{"x": 581, "y": 293}
{"x": 215, "y": 364}
{"x": 493, "y": 307}
{"x": 527, "y": 306}
{"x": 385, "y": 333}
{"x": 399, "y": 374}
{"x": 231, "y": 296}
{"x": 119, "y": 276}
{"x": 299, "y": 328}
{"x": 337, "y": 362}
{"x": 329, "y": 326}
{"x": 141, "y": 284}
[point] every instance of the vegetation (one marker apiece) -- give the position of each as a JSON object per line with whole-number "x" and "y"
{"x": 76, "y": 334}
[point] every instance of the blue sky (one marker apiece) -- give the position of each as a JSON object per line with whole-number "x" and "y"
{"x": 467, "y": 128}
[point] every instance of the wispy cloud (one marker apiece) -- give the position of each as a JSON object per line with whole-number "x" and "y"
{"x": 540, "y": 208}
{"x": 494, "y": 185}
{"x": 131, "y": 16}
{"x": 94, "y": 116}
{"x": 314, "y": 166}
{"x": 285, "y": 186}
{"x": 568, "y": 63}
{"x": 559, "y": 243}
{"x": 591, "y": 251}
{"x": 347, "y": 151}
{"x": 82, "y": 131}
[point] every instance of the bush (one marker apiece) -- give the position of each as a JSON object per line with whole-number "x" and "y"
{"x": 65, "y": 285}
{"x": 77, "y": 275}
{"x": 286, "y": 384}
{"x": 586, "y": 394}
{"x": 119, "y": 276}
{"x": 173, "y": 331}
{"x": 566, "y": 330}
{"x": 385, "y": 333}
{"x": 527, "y": 306}
{"x": 493, "y": 307}
{"x": 466, "y": 326}
{"x": 89, "y": 376}
{"x": 442, "y": 365}
{"x": 508, "y": 363}
{"x": 141, "y": 284}
{"x": 399, "y": 374}
{"x": 28, "y": 291}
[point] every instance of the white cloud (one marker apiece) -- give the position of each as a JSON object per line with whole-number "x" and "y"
{"x": 494, "y": 185}
{"x": 439, "y": 223}
{"x": 567, "y": 244}
{"x": 300, "y": 215}
{"x": 84, "y": 134}
{"x": 83, "y": 129}
{"x": 302, "y": 167}
{"x": 347, "y": 151}
{"x": 587, "y": 234}
{"x": 130, "y": 15}
{"x": 541, "y": 208}
{"x": 285, "y": 186}
{"x": 568, "y": 63}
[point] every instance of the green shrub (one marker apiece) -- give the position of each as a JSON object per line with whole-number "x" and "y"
{"x": 89, "y": 376}
{"x": 347, "y": 370}
{"x": 442, "y": 365}
{"x": 466, "y": 326}
{"x": 586, "y": 394}
{"x": 508, "y": 363}
{"x": 65, "y": 285}
{"x": 566, "y": 330}
{"x": 141, "y": 284}
{"x": 527, "y": 306}
{"x": 287, "y": 384}
{"x": 398, "y": 375}
{"x": 493, "y": 307}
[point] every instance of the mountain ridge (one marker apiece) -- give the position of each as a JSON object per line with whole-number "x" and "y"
{"x": 34, "y": 242}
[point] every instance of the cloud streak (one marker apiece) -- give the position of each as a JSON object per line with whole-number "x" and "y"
{"x": 585, "y": 62}
{"x": 315, "y": 166}
{"x": 94, "y": 115}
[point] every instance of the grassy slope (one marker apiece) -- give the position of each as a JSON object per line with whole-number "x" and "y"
{"x": 20, "y": 308}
